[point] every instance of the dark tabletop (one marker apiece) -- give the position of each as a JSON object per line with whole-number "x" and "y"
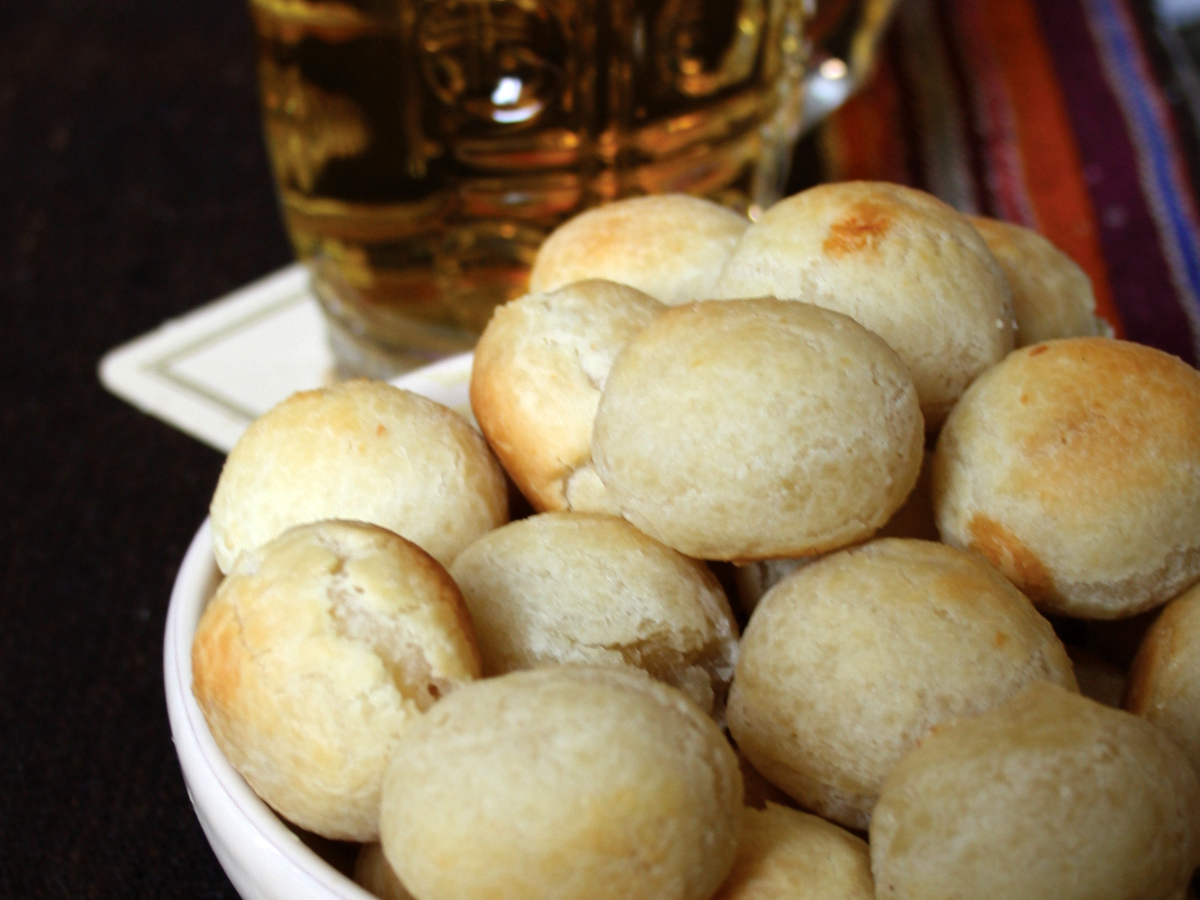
{"x": 133, "y": 187}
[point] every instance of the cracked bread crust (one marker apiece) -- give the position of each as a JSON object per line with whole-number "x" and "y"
{"x": 753, "y": 429}
{"x": 313, "y": 656}
{"x": 593, "y": 590}
{"x": 536, "y": 380}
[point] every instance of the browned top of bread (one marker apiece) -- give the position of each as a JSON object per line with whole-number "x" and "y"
{"x": 898, "y": 261}
{"x": 1074, "y": 466}
{"x": 671, "y": 246}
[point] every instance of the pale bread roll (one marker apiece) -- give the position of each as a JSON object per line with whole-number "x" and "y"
{"x": 753, "y": 429}
{"x": 1052, "y": 296}
{"x": 671, "y": 246}
{"x": 1164, "y": 680}
{"x": 1052, "y": 795}
{"x": 784, "y": 854}
{"x": 536, "y": 379}
{"x": 899, "y": 261}
{"x": 848, "y": 662}
{"x": 316, "y": 652}
{"x": 361, "y": 450}
{"x": 567, "y": 782}
{"x": 1074, "y": 467}
{"x": 588, "y": 589}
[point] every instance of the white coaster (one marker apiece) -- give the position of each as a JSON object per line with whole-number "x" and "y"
{"x": 213, "y": 371}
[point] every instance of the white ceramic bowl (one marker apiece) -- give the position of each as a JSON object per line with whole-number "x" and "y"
{"x": 263, "y": 858}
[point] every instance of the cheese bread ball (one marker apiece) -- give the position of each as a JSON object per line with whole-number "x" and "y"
{"x": 671, "y": 246}
{"x": 899, "y": 261}
{"x": 316, "y": 653}
{"x": 362, "y": 450}
{"x": 784, "y": 854}
{"x": 568, "y": 782}
{"x": 1050, "y": 796}
{"x": 1164, "y": 680}
{"x": 591, "y": 589}
{"x": 1052, "y": 296}
{"x": 753, "y": 429}
{"x": 536, "y": 380}
{"x": 848, "y": 662}
{"x": 1074, "y": 467}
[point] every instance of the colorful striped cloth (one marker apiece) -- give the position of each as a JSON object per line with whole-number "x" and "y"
{"x": 1051, "y": 114}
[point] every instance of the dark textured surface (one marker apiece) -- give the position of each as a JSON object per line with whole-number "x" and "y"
{"x": 134, "y": 187}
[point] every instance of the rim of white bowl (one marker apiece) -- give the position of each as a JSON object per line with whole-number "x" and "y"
{"x": 202, "y": 762}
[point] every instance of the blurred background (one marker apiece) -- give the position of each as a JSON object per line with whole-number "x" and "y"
{"x": 134, "y": 187}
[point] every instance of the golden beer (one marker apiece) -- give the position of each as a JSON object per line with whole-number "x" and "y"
{"x": 424, "y": 148}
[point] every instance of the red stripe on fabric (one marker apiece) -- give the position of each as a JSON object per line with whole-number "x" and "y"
{"x": 995, "y": 123}
{"x": 1049, "y": 152}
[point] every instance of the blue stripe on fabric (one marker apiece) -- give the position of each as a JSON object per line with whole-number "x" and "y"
{"x": 1152, "y": 138}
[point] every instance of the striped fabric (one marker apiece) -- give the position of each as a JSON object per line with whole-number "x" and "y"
{"x": 1048, "y": 113}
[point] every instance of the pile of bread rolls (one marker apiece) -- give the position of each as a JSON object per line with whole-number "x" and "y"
{"x": 787, "y": 619}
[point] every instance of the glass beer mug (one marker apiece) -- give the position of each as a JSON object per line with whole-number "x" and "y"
{"x": 424, "y": 148}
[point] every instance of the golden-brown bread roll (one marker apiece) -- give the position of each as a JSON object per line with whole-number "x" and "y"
{"x": 538, "y": 371}
{"x": 671, "y": 246}
{"x": 593, "y": 590}
{"x": 1074, "y": 467}
{"x": 849, "y": 661}
{"x": 1052, "y": 795}
{"x": 784, "y": 854}
{"x": 373, "y": 873}
{"x": 753, "y": 429}
{"x": 316, "y": 652}
{"x": 362, "y": 450}
{"x": 567, "y": 782}
{"x": 1052, "y": 296}
{"x": 897, "y": 260}
{"x": 1164, "y": 680}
